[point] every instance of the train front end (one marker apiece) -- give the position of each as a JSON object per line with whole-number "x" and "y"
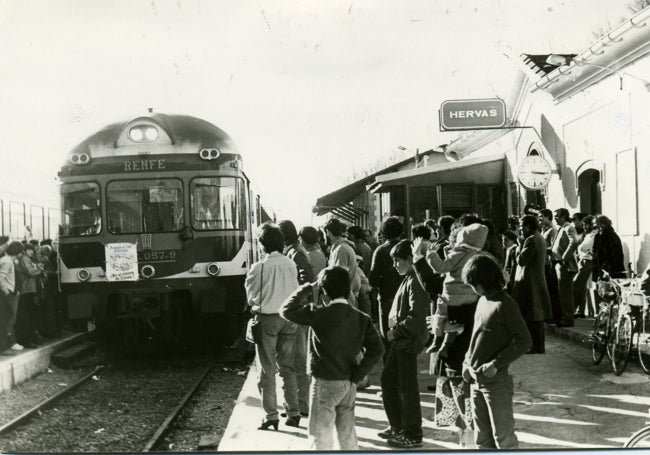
{"x": 155, "y": 236}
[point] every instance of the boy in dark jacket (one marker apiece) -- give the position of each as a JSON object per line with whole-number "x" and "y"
{"x": 344, "y": 346}
{"x": 407, "y": 336}
{"x": 500, "y": 336}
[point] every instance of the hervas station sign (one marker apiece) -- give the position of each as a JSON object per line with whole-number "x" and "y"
{"x": 472, "y": 114}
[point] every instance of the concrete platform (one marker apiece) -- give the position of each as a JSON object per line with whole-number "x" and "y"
{"x": 23, "y": 365}
{"x": 242, "y": 433}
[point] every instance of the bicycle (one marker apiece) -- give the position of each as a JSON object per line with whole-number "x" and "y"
{"x": 623, "y": 322}
{"x": 604, "y": 323}
{"x": 638, "y": 300}
{"x": 614, "y": 326}
{"x": 639, "y": 439}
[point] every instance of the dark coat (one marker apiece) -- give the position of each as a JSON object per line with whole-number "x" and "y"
{"x": 608, "y": 254}
{"x": 410, "y": 308}
{"x": 529, "y": 289}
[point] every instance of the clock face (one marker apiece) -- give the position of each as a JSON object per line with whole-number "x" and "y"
{"x": 534, "y": 172}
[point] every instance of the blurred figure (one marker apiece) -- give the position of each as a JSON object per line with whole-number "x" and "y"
{"x": 529, "y": 288}
{"x": 294, "y": 250}
{"x": 268, "y": 284}
{"x": 585, "y": 268}
{"x": 9, "y": 296}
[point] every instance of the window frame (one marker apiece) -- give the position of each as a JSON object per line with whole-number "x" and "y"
{"x": 243, "y": 211}
{"x": 182, "y": 201}
{"x": 62, "y": 208}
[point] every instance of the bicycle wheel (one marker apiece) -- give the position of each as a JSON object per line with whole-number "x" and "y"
{"x": 643, "y": 340}
{"x": 611, "y": 330}
{"x": 622, "y": 345}
{"x": 639, "y": 439}
{"x": 599, "y": 338}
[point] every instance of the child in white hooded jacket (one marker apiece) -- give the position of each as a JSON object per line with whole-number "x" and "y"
{"x": 470, "y": 240}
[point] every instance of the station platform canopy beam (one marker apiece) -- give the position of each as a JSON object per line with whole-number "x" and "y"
{"x": 488, "y": 169}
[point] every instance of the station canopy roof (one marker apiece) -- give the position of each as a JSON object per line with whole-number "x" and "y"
{"x": 488, "y": 169}
{"x": 338, "y": 202}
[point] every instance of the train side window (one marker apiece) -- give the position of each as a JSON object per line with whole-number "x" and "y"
{"x": 218, "y": 203}
{"x": 80, "y": 209}
{"x": 37, "y": 221}
{"x": 17, "y": 220}
{"x": 52, "y": 222}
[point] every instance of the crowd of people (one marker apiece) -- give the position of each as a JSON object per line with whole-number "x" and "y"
{"x": 29, "y": 308}
{"x": 334, "y": 302}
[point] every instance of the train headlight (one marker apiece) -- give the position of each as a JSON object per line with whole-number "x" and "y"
{"x": 79, "y": 159}
{"x": 213, "y": 269}
{"x": 147, "y": 271}
{"x": 144, "y": 133}
{"x": 136, "y": 134}
{"x": 83, "y": 275}
{"x": 151, "y": 133}
{"x": 209, "y": 154}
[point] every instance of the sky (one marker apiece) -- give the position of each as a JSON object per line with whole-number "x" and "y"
{"x": 309, "y": 90}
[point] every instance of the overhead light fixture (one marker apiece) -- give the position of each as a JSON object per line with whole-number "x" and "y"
{"x": 417, "y": 153}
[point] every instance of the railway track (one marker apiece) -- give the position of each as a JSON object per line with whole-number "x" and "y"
{"x": 127, "y": 408}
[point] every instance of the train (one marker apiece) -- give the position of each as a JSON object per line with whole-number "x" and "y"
{"x": 157, "y": 231}
{"x": 25, "y": 216}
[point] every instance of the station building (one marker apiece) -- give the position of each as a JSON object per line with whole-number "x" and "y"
{"x": 577, "y": 136}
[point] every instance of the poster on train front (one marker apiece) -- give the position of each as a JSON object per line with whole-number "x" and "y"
{"x": 121, "y": 262}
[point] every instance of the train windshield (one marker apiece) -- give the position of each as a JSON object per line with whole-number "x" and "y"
{"x": 80, "y": 209}
{"x": 218, "y": 203}
{"x": 137, "y": 206}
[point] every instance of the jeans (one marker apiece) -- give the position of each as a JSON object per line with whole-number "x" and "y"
{"x": 300, "y": 366}
{"x": 275, "y": 354}
{"x": 332, "y": 406}
{"x": 400, "y": 392}
{"x": 494, "y": 422}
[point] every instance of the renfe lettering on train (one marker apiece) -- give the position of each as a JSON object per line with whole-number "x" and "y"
{"x": 472, "y": 114}
{"x": 144, "y": 165}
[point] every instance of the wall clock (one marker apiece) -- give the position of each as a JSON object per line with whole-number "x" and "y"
{"x": 534, "y": 172}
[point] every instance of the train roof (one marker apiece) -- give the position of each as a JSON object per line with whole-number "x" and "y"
{"x": 179, "y": 128}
